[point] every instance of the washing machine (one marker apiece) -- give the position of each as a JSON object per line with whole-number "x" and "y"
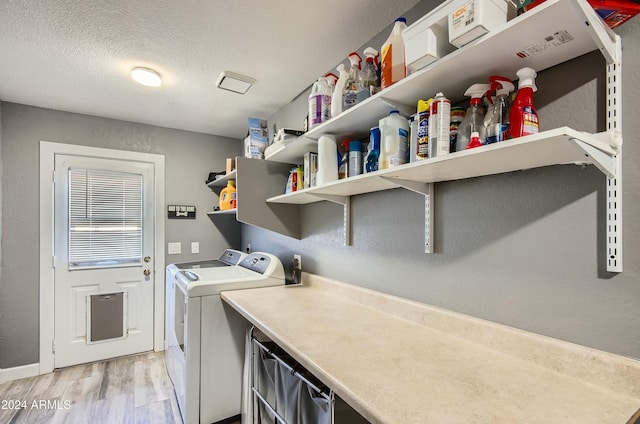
{"x": 206, "y": 337}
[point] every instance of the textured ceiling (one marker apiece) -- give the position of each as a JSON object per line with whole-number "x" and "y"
{"x": 76, "y": 55}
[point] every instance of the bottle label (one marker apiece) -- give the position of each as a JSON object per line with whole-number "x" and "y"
{"x": 350, "y": 99}
{"x": 319, "y": 109}
{"x": 530, "y": 124}
{"x": 423, "y": 135}
{"x": 401, "y": 156}
{"x": 386, "y": 65}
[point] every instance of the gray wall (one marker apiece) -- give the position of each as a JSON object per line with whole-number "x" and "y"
{"x": 189, "y": 157}
{"x": 524, "y": 249}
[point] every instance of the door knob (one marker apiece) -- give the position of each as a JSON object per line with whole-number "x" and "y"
{"x": 147, "y": 272}
{"x": 147, "y": 259}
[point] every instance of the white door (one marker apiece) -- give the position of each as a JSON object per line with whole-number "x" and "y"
{"x": 103, "y": 258}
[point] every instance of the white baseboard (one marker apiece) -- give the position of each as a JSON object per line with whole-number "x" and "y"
{"x": 16, "y": 373}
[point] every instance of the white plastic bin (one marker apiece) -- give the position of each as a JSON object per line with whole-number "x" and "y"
{"x": 475, "y": 18}
{"x": 424, "y": 43}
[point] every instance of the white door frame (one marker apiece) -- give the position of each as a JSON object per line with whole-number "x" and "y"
{"x": 48, "y": 150}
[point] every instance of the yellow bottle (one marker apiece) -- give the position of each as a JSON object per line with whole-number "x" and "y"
{"x": 227, "y": 195}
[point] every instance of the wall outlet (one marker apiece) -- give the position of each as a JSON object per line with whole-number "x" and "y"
{"x": 248, "y": 247}
{"x": 195, "y": 247}
{"x": 299, "y": 259}
{"x": 174, "y": 248}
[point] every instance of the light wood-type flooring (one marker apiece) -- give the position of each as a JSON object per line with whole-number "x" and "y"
{"x": 132, "y": 390}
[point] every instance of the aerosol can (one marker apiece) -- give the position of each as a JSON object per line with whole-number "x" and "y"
{"x": 474, "y": 118}
{"x": 497, "y": 118}
{"x": 524, "y": 118}
{"x": 439, "y": 123}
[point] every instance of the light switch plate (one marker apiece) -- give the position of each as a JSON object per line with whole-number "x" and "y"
{"x": 174, "y": 248}
{"x": 195, "y": 247}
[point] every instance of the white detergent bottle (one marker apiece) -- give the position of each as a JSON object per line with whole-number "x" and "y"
{"x": 474, "y": 119}
{"x": 319, "y": 103}
{"x": 394, "y": 139}
{"x": 392, "y": 64}
{"x": 338, "y": 91}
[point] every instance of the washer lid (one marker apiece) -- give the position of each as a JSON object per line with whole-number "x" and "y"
{"x": 255, "y": 270}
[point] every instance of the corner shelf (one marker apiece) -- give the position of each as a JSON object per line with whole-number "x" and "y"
{"x": 222, "y": 181}
{"x": 225, "y": 212}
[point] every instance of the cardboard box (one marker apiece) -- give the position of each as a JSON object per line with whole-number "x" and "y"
{"x": 231, "y": 165}
{"x": 257, "y": 140}
{"x": 310, "y": 167}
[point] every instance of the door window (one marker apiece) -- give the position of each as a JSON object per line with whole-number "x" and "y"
{"x": 105, "y": 219}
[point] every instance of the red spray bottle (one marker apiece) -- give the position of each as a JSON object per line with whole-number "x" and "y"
{"x": 523, "y": 115}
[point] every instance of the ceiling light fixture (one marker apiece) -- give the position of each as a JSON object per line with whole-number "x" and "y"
{"x": 146, "y": 76}
{"x": 234, "y": 82}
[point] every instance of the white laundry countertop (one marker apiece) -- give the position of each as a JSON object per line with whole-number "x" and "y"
{"x": 398, "y": 361}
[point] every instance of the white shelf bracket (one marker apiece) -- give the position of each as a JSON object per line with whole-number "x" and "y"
{"x": 603, "y": 161}
{"x": 345, "y": 201}
{"x": 614, "y": 181}
{"x": 425, "y": 189}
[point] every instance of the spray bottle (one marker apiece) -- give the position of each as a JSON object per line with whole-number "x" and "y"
{"x": 497, "y": 118}
{"x": 332, "y": 80}
{"x": 354, "y": 91}
{"x": 338, "y": 91}
{"x": 474, "y": 118}
{"x": 524, "y": 118}
{"x": 370, "y": 75}
{"x": 392, "y": 67}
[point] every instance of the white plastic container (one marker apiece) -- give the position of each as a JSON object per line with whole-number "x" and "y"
{"x": 475, "y": 18}
{"x": 392, "y": 64}
{"x": 319, "y": 103}
{"x": 327, "y": 160}
{"x": 424, "y": 43}
{"x": 394, "y": 140}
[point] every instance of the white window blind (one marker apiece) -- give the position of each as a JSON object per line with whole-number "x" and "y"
{"x": 105, "y": 218}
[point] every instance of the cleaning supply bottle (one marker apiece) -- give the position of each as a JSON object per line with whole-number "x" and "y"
{"x": 474, "y": 118}
{"x": 327, "y": 160}
{"x": 497, "y": 118}
{"x": 439, "y": 123}
{"x": 474, "y": 141}
{"x": 332, "y": 80}
{"x": 370, "y": 74}
{"x": 343, "y": 167}
{"x": 354, "y": 91}
{"x": 523, "y": 116}
{"x": 319, "y": 103}
{"x": 392, "y": 66}
{"x": 394, "y": 134}
{"x": 371, "y": 160}
{"x": 338, "y": 91}
{"x": 227, "y": 195}
{"x": 422, "y": 151}
{"x": 355, "y": 158}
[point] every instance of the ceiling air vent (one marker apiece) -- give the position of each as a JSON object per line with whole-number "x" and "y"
{"x": 234, "y": 82}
